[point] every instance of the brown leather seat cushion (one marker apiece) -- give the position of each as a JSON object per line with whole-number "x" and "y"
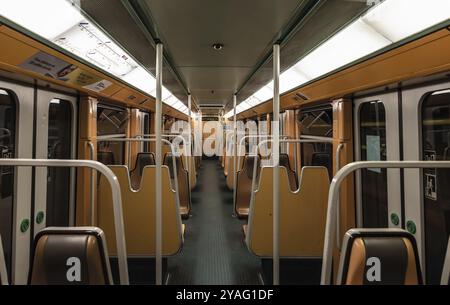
{"x": 184, "y": 191}
{"x": 70, "y": 256}
{"x": 379, "y": 257}
{"x": 292, "y": 175}
{"x": 244, "y": 185}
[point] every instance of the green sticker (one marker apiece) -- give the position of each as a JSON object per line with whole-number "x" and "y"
{"x": 395, "y": 219}
{"x": 24, "y": 225}
{"x": 40, "y": 217}
{"x": 411, "y": 227}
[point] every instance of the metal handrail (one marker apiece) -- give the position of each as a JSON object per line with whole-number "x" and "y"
{"x": 185, "y": 144}
{"x": 116, "y": 198}
{"x": 240, "y": 145}
{"x": 174, "y": 164}
{"x": 92, "y": 152}
{"x": 338, "y": 216}
{"x": 252, "y": 196}
{"x": 334, "y": 194}
{"x": 177, "y": 194}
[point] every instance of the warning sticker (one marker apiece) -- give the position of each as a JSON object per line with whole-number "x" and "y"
{"x": 431, "y": 186}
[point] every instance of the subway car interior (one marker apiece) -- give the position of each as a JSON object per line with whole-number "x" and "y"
{"x": 257, "y": 142}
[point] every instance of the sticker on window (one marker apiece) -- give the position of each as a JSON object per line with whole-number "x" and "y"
{"x": 431, "y": 186}
{"x": 373, "y": 150}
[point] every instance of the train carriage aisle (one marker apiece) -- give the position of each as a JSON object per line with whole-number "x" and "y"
{"x": 214, "y": 251}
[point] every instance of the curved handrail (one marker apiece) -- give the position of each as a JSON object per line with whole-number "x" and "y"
{"x": 116, "y": 197}
{"x": 334, "y": 194}
{"x": 92, "y": 188}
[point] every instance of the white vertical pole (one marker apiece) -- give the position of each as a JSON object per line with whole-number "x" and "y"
{"x": 158, "y": 121}
{"x": 190, "y": 157}
{"x": 234, "y": 152}
{"x": 275, "y": 154}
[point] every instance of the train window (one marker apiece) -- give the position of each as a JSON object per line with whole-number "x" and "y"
{"x": 145, "y": 128}
{"x": 436, "y": 182}
{"x": 317, "y": 122}
{"x": 374, "y": 199}
{"x": 111, "y": 121}
{"x": 59, "y": 147}
{"x": 8, "y": 148}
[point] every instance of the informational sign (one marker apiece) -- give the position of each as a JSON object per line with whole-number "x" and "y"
{"x": 430, "y": 176}
{"x": 431, "y": 186}
{"x": 48, "y": 65}
{"x": 99, "y": 86}
{"x": 373, "y": 144}
{"x": 56, "y": 68}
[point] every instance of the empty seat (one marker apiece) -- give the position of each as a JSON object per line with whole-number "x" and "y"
{"x": 244, "y": 185}
{"x": 139, "y": 210}
{"x": 380, "y": 257}
{"x": 302, "y": 214}
{"x": 230, "y": 165}
{"x": 3, "y": 270}
{"x": 445, "y": 279}
{"x": 143, "y": 159}
{"x": 105, "y": 157}
{"x": 322, "y": 159}
{"x": 71, "y": 256}
{"x": 292, "y": 175}
{"x": 184, "y": 191}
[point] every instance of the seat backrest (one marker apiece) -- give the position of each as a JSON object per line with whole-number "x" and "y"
{"x": 292, "y": 175}
{"x": 244, "y": 184}
{"x": 239, "y": 164}
{"x": 3, "y": 270}
{"x": 183, "y": 182}
{"x": 445, "y": 279}
{"x": 139, "y": 210}
{"x": 70, "y": 256}
{"x": 105, "y": 157}
{"x": 379, "y": 257}
{"x": 320, "y": 159}
{"x": 302, "y": 214}
{"x": 142, "y": 160}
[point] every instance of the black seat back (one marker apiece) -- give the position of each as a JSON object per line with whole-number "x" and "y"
{"x": 106, "y": 157}
{"x": 379, "y": 257}
{"x": 70, "y": 256}
{"x": 142, "y": 160}
{"x": 292, "y": 175}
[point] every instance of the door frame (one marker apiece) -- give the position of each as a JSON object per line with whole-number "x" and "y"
{"x": 390, "y": 103}
{"x": 25, "y": 99}
{"x": 44, "y": 98}
{"x": 412, "y": 142}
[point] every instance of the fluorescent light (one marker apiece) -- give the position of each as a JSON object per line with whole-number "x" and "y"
{"x": 3, "y": 92}
{"x": 354, "y": 42}
{"x": 61, "y": 22}
{"x": 171, "y": 100}
{"x": 292, "y": 78}
{"x": 141, "y": 79}
{"x": 55, "y": 101}
{"x": 265, "y": 93}
{"x": 399, "y": 19}
{"x": 47, "y": 18}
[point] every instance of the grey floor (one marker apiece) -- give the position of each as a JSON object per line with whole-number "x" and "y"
{"x": 214, "y": 251}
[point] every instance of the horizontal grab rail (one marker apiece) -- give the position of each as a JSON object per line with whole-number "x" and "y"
{"x": 116, "y": 197}
{"x": 334, "y": 195}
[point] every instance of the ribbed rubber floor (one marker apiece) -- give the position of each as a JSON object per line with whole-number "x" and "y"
{"x": 214, "y": 251}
